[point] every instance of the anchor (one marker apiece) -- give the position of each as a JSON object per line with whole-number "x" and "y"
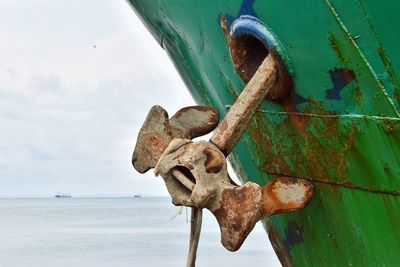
{"x": 195, "y": 173}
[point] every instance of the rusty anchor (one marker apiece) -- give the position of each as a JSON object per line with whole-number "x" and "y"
{"x": 155, "y": 135}
{"x": 195, "y": 173}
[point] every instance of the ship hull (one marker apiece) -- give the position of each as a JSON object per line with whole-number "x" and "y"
{"x": 338, "y": 128}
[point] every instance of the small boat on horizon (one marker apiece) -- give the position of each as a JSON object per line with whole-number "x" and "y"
{"x": 137, "y": 196}
{"x": 62, "y": 195}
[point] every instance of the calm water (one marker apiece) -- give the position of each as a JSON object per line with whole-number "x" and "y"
{"x": 114, "y": 232}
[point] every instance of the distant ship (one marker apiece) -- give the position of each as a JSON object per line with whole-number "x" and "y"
{"x": 137, "y": 196}
{"x": 62, "y": 195}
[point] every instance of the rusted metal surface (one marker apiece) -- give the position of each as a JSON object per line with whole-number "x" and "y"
{"x": 236, "y": 121}
{"x": 285, "y": 194}
{"x": 237, "y": 213}
{"x": 183, "y": 179}
{"x": 326, "y": 147}
{"x": 247, "y": 53}
{"x": 196, "y": 219}
{"x": 153, "y": 138}
{"x": 184, "y": 153}
{"x": 349, "y": 146}
{"x": 249, "y": 43}
{"x": 236, "y": 208}
{"x": 158, "y": 131}
{"x": 194, "y": 121}
{"x": 196, "y": 173}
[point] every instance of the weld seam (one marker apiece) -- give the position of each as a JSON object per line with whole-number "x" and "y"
{"x": 350, "y": 186}
{"x": 333, "y": 116}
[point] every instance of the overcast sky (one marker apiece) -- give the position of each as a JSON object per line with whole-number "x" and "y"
{"x": 76, "y": 81}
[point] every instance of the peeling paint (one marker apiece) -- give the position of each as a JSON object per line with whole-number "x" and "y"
{"x": 293, "y": 234}
{"x": 340, "y": 78}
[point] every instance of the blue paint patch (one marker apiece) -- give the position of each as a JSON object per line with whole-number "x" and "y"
{"x": 297, "y": 99}
{"x": 229, "y": 20}
{"x": 248, "y": 25}
{"x": 247, "y": 22}
{"x": 293, "y": 235}
{"x": 245, "y": 9}
{"x": 255, "y": 27}
{"x": 340, "y": 77}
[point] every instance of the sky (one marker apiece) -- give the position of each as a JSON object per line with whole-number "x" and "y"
{"x": 77, "y": 79}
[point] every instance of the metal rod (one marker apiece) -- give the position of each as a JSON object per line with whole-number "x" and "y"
{"x": 196, "y": 220}
{"x": 195, "y": 230}
{"x": 183, "y": 179}
{"x": 239, "y": 115}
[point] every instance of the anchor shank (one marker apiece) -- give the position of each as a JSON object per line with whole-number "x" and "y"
{"x": 239, "y": 115}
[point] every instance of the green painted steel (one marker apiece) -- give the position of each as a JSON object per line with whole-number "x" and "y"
{"x": 339, "y": 128}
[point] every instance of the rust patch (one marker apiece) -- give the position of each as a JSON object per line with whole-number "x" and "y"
{"x": 248, "y": 53}
{"x": 214, "y": 162}
{"x": 180, "y": 155}
{"x": 153, "y": 139}
{"x": 224, "y": 126}
{"x": 300, "y": 122}
{"x": 237, "y": 214}
{"x": 397, "y": 97}
{"x": 284, "y": 194}
{"x": 157, "y": 142}
{"x": 391, "y": 127}
{"x": 223, "y": 23}
{"x": 389, "y": 67}
{"x": 285, "y": 84}
{"x": 306, "y": 146}
{"x": 334, "y": 44}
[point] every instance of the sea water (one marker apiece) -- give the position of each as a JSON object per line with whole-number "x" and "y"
{"x": 134, "y": 232}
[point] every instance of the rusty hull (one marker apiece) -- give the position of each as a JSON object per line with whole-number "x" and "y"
{"x": 237, "y": 119}
{"x": 339, "y": 127}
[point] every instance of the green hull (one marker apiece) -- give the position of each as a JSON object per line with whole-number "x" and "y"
{"x": 339, "y": 129}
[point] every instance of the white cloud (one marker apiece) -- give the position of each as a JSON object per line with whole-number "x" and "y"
{"x": 69, "y": 112}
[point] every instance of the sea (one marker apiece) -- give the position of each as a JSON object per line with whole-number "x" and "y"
{"x": 115, "y": 232}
